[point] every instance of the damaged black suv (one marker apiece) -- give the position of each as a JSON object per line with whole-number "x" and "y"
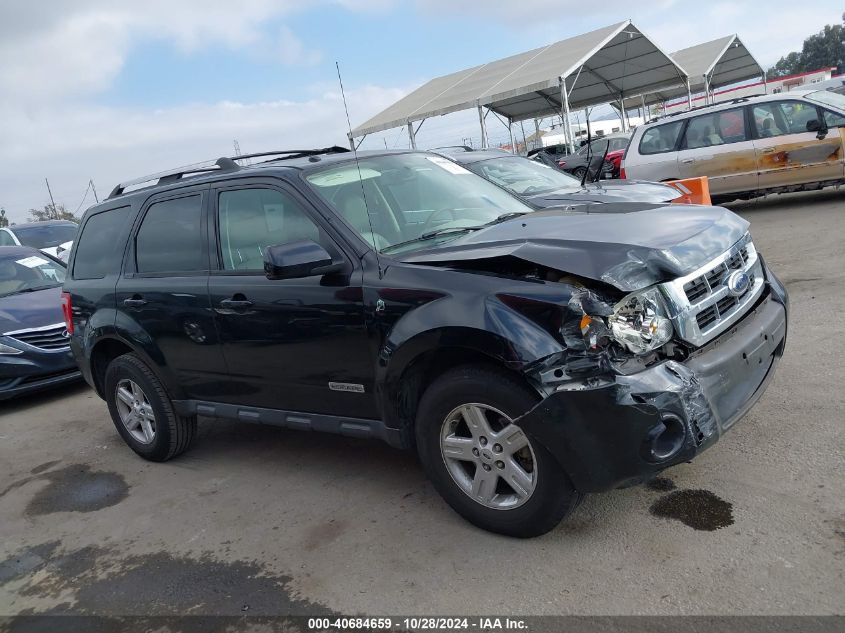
{"x": 529, "y": 357}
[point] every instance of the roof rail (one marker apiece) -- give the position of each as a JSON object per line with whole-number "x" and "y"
{"x": 709, "y": 105}
{"x": 222, "y": 164}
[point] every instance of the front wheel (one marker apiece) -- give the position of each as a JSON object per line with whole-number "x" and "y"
{"x": 579, "y": 172}
{"x": 488, "y": 469}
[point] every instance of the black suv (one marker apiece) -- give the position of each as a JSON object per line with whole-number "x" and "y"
{"x": 528, "y": 356}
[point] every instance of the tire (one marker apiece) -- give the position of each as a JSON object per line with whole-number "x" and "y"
{"x": 500, "y": 398}
{"x": 171, "y": 434}
{"x": 579, "y": 172}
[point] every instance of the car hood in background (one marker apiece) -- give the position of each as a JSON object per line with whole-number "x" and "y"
{"x": 609, "y": 191}
{"x": 630, "y": 246}
{"x": 31, "y": 310}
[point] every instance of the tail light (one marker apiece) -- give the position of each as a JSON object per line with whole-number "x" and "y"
{"x": 67, "y": 312}
{"x": 622, "y": 170}
{"x": 561, "y": 163}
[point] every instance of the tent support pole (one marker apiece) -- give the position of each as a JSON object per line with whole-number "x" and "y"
{"x": 644, "y": 111}
{"x": 567, "y": 127}
{"x": 483, "y": 127}
{"x": 765, "y": 87}
{"x": 510, "y": 132}
{"x": 351, "y": 142}
{"x": 689, "y": 95}
{"x": 706, "y": 91}
{"x": 622, "y": 115}
{"x": 411, "y": 135}
{"x": 524, "y": 141}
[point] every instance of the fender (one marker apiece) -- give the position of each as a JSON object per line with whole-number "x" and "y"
{"x": 497, "y": 332}
{"x": 128, "y": 331}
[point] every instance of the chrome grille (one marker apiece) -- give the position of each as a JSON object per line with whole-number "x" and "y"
{"x": 702, "y": 306}
{"x": 51, "y": 337}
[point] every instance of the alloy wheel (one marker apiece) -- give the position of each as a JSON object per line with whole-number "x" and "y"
{"x": 135, "y": 411}
{"x": 488, "y": 456}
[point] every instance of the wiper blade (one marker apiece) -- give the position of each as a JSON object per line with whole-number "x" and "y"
{"x": 454, "y": 229}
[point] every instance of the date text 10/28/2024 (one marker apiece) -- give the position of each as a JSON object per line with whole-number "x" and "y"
{"x": 418, "y": 624}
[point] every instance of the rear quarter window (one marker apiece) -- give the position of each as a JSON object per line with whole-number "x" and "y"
{"x": 99, "y": 248}
{"x": 660, "y": 138}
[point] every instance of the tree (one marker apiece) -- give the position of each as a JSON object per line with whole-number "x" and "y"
{"x": 4, "y": 221}
{"x": 824, "y": 49}
{"x": 52, "y": 212}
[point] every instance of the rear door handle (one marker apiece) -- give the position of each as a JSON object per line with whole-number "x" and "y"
{"x": 687, "y": 161}
{"x": 768, "y": 150}
{"x": 135, "y": 302}
{"x": 236, "y": 303}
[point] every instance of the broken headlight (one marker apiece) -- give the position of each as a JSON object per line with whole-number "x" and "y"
{"x": 639, "y": 322}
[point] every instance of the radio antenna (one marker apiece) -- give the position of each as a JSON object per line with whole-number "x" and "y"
{"x": 358, "y": 167}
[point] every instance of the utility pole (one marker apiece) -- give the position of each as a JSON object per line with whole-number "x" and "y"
{"x": 53, "y": 202}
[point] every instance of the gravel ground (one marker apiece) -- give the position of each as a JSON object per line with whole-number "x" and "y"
{"x": 269, "y": 521}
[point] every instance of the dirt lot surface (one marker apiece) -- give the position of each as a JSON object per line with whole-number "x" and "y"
{"x": 272, "y": 521}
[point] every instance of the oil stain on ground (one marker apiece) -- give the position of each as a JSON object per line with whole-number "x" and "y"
{"x": 101, "y": 582}
{"x": 77, "y": 489}
{"x": 699, "y": 509}
{"x": 661, "y": 484}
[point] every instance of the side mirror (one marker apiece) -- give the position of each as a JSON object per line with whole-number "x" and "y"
{"x": 295, "y": 260}
{"x": 814, "y": 125}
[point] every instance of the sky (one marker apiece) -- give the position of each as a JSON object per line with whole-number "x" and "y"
{"x": 111, "y": 89}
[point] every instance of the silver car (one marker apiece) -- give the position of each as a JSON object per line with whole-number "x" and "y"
{"x": 747, "y": 147}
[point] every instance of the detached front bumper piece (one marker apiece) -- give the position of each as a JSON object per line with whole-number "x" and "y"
{"x": 625, "y": 432}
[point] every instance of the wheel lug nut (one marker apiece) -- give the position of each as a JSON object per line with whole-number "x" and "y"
{"x": 497, "y": 448}
{"x": 475, "y": 452}
{"x": 485, "y": 466}
{"x": 483, "y": 440}
{"x": 500, "y": 465}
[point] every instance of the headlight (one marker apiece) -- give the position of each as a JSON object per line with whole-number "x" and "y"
{"x": 6, "y": 349}
{"x": 639, "y": 322}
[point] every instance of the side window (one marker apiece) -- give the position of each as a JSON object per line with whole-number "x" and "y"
{"x": 834, "y": 119}
{"x": 716, "y": 128}
{"x": 6, "y": 239}
{"x": 250, "y": 220}
{"x": 782, "y": 117}
{"x": 171, "y": 237}
{"x": 99, "y": 248}
{"x": 660, "y": 138}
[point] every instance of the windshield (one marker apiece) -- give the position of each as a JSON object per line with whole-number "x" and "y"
{"x": 825, "y": 97}
{"x": 406, "y": 202}
{"x": 524, "y": 177}
{"x": 26, "y": 273}
{"x": 46, "y": 236}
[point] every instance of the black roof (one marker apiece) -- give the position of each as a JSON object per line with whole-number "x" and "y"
{"x": 227, "y": 166}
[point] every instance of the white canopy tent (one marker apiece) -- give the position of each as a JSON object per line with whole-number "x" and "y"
{"x": 710, "y": 65}
{"x": 605, "y": 65}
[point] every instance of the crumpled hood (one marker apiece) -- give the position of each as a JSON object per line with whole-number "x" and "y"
{"x": 609, "y": 191}
{"x": 31, "y": 310}
{"x": 630, "y": 246}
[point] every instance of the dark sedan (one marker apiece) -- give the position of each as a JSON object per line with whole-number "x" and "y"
{"x": 543, "y": 186}
{"x": 34, "y": 346}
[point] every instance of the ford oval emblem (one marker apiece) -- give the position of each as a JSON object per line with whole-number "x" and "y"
{"x": 738, "y": 283}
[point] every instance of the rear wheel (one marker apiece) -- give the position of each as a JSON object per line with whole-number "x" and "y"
{"x": 579, "y": 172}
{"x": 142, "y": 411}
{"x": 487, "y": 468}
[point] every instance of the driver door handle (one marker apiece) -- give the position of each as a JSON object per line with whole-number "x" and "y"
{"x": 236, "y": 303}
{"x": 135, "y": 302}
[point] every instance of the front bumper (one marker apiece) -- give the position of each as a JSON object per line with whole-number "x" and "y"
{"x": 626, "y": 431}
{"x": 35, "y": 370}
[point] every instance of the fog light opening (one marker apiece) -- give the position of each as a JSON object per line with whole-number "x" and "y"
{"x": 670, "y": 440}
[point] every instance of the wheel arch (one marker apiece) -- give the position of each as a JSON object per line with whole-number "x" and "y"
{"x": 413, "y": 367}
